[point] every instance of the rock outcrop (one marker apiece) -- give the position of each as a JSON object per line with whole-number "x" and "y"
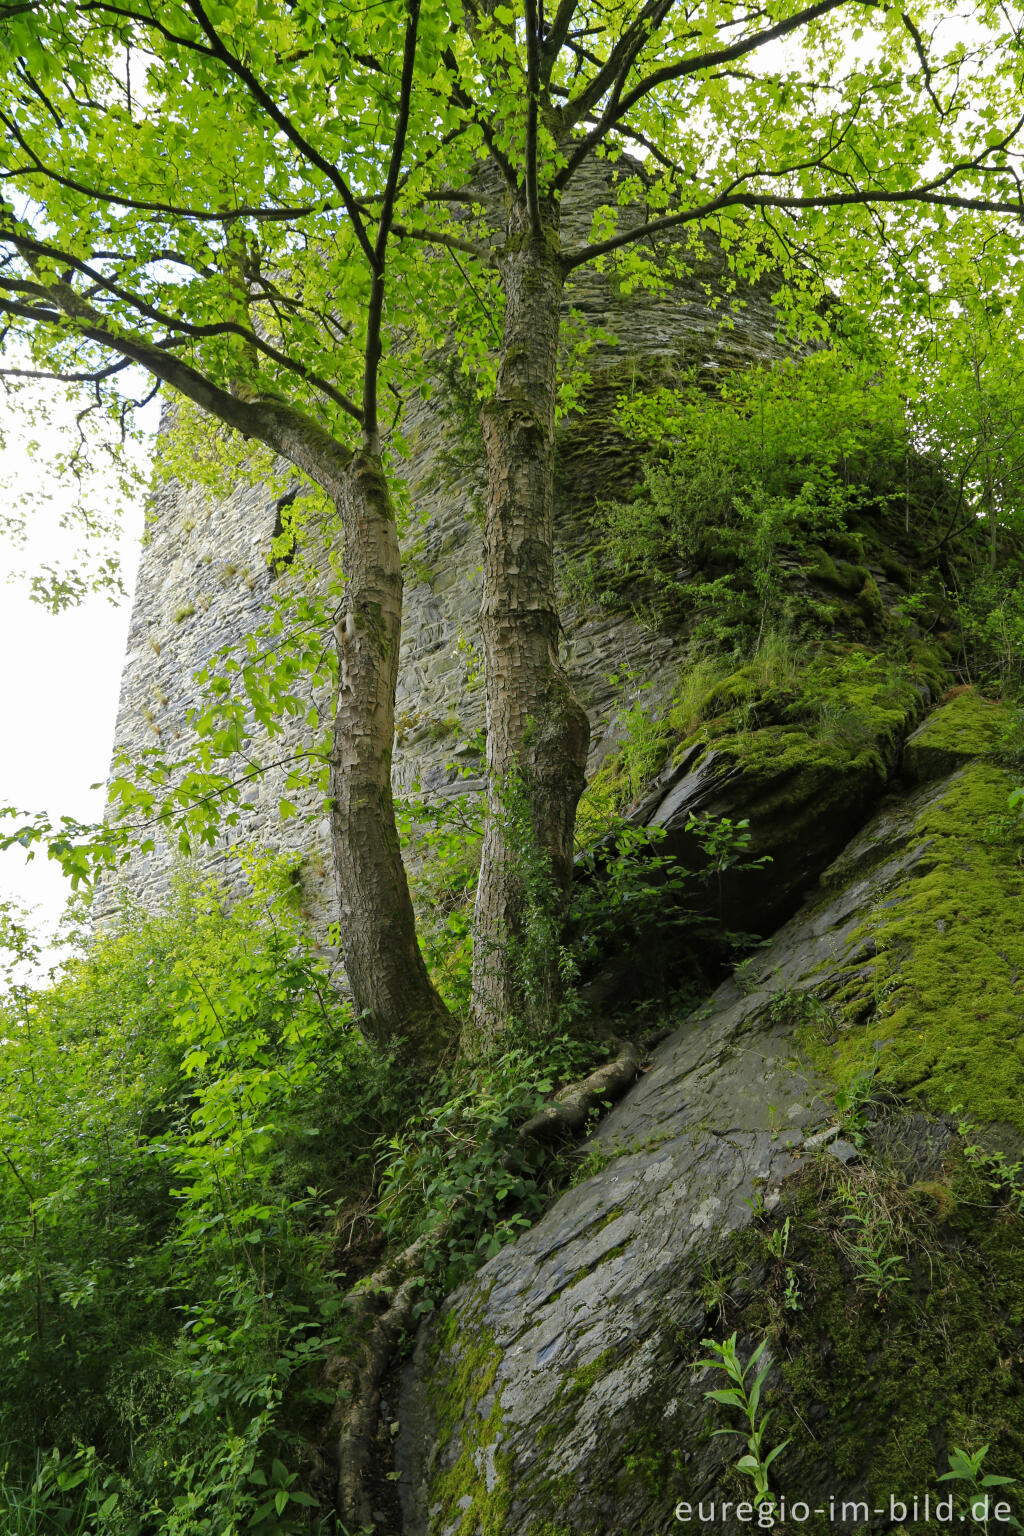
{"x": 789, "y": 1168}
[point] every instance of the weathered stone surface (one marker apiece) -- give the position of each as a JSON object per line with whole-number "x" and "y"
{"x": 594, "y": 1418}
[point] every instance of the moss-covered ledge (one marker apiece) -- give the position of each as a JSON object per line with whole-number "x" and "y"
{"x": 933, "y": 1007}
{"x": 966, "y": 726}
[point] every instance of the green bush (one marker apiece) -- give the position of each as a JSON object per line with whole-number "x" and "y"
{"x": 785, "y": 457}
{"x": 186, "y": 1105}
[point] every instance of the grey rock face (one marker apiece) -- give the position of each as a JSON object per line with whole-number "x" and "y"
{"x": 585, "y": 1330}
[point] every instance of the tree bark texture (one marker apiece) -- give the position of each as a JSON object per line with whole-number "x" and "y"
{"x": 378, "y": 928}
{"x": 385, "y": 969}
{"x": 537, "y": 731}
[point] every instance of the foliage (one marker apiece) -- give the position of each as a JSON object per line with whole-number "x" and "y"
{"x": 461, "y": 1143}
{"x": 442, "y": 839}
{"x": 990, "y": 615}
{"x": 1002, "y": 1175}
{"x": 868, "y": 1235}
{"x": 745, "y": 1395}
{"x": 781, "y": 459}
{"x": 967, "y": 1467}
{"x": 185, "y": 1105}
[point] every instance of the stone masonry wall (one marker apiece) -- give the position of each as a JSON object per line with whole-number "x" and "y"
{"x": 205, "y": 578}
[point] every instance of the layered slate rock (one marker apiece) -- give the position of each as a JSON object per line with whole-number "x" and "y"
{"x": 559, "y": 1391}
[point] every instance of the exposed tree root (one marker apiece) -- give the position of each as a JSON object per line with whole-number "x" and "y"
{"x": 382, "y": 1307}
{"x": 567, "y": 1115}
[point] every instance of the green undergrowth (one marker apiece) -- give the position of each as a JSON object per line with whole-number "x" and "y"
{"x": 202, "y": 1155}
{"x": 937, "y": 1013}
{"x": 780, "y": 495}
{"x": 883, "y": 1384}
{"x": 186, "y": 1105}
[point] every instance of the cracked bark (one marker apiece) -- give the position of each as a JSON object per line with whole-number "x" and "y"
{"x": 537, "y": 731}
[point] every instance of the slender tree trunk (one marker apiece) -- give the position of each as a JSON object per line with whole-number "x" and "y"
{"x": 537, "y": 731}
{"x": 386, "y": 971}
{"x": 389, "y": 980}
{"x": 378, "y": 929}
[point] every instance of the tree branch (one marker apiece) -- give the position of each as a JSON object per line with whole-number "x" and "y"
{"x": 438, "y": 237}
{"x": 621, "y": 57}
{"x": 375, "y": 310}
{"x": 532, "y": 104}
{"x": 617, "y": 109}
{"x": 141, "y": 205}
{"x": 282, "y": 426}
{"x": 756, "y": 200}
{"x": 557, "y": 34}
{"x": 463, "y": 99}
{"x": 30, "y": 249}
{"x": 287, "y": 127}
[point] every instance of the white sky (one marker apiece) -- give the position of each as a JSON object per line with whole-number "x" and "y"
{"x": 59, "y": 683}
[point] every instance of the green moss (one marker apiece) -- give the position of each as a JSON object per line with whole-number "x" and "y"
{"x": 893, "y": 1387}
{"x": 466, "y": 1359}
{"x": 838, "y": 738}
{"x": 578, "y": 1383}
{"x": 869, "y": 601}
{"x": 852, "y": 578}
{"x": 895, "y": 570}
{"x": 468, "y": 1506}
{"x": 966, "y": 723}
{"x": 572, "y": 1388}
{"x": 471, "y": 1358}
{"x": 945, "y": 990}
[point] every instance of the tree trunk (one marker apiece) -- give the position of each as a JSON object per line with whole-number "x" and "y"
{"x": 537, "y": 732}
{"x": 387, "y": 973}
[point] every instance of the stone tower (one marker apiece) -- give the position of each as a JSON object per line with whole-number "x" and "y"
{"x": 206, "y": 575}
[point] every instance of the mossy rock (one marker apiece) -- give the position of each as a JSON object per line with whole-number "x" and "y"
{"x": 943, "y": 990}
{"x": 803, "y": 763}
{"x": 561, "y": 1388}
{"x": 966, "y": 726}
